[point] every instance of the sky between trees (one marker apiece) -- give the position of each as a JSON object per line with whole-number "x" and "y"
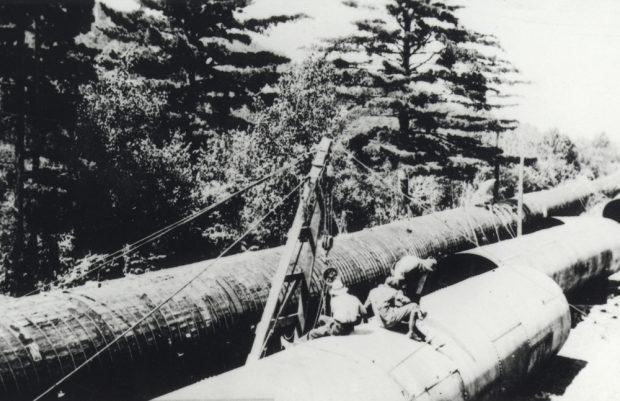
{"x": 568, "y": 49}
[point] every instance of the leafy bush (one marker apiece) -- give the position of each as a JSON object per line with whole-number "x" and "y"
{"x": 557, "y": 160}
{"x": 598, "y": 156}
{"x": 304, "y": 110}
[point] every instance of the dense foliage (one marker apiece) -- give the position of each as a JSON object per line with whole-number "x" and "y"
{"x": 41, "y": 69}
{"x": 117, "y": 124}
{"x": 428, "y": 82}
{"x": 200, "y": 54}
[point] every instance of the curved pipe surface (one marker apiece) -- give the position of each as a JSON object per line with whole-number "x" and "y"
{"x": 479, "y": 349}
{"x": 487, "y": 334}
{"x": 571, "y": 254}
{"x": 208, "y": 328}
{"x": 570, "y": 197}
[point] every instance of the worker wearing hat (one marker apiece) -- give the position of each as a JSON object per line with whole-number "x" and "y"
{"x": 347, "y": 312}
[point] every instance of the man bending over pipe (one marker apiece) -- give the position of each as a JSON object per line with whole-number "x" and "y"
{"x": 392, "y": 306}
{"x": 412, "y": 272}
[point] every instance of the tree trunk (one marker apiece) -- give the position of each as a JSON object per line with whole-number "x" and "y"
{"x": 19, "y": 279}
{"x": 403, "y": 124}
{"x": 35, "y": 135}
{"x": 403, "y": 114}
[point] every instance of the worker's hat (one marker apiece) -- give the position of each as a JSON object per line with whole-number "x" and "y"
{"x": 330, "y": 274}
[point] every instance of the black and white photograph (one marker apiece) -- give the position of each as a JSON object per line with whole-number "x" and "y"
{"x": 309, "y": 200}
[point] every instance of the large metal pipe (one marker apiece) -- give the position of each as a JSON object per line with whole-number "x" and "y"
{"x": 571, "y": 254}
{"x": 570, "y": 197}
{"x": 487, "y": 332}
{"x": 208, "y": 328}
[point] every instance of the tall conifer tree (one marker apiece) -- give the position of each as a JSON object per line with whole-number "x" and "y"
{"x": 202, "y": 53}
{"x": 41, "y": 67}
{"x": 418, "y": 68}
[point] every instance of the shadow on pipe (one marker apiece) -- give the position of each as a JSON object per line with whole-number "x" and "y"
{"x": 208, "y": 328}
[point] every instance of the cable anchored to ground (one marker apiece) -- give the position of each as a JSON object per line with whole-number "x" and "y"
{"x": 175, "y": 293}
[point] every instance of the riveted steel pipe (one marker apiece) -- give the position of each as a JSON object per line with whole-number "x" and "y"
{"x": 487, "y": 333}
{"x": 571, "y": 254}
{"x": 570, "y": 197}
{"x": 208, "y": 327}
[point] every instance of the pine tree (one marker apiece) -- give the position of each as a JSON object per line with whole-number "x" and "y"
{"x": 428, "y": 81}
{"x": 41, "y": 67}
{"x": 201, "y": 52}
{"x": 305, "y": 110}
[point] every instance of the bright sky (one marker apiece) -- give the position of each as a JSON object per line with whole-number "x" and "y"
{"x": 121, "y": 4}
{"x": 568, "y": 49}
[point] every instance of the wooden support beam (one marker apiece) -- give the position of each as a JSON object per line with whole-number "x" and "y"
{"x": 304, "y": 233}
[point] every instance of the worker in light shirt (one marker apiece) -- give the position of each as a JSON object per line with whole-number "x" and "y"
{"x": 347, "y": 312}
{"x": 411, "y": 272}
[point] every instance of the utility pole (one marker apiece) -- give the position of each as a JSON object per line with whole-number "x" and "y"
{"x": 297, "y": 261}
{"x": 403, "y": 187}
{"x": 520, "y": 199}
{"x": 496, "y": 169}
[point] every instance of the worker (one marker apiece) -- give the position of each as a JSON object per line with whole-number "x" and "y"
{"x": 392, "y": 307}
{"x": 412, "y": 272}
{"x": 347, "y": 312}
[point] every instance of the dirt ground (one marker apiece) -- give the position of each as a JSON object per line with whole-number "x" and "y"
{"x": 588, "y": 366}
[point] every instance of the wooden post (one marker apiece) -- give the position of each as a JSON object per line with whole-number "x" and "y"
{"x": 20, "y": 279}
{"x": 403, "y": 187}
{"x": 520, "y": 199}
{"x": 304, "y": 231}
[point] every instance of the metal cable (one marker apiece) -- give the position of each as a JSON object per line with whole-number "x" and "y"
{"x": 475, "y": 239}
{"x": 582, "y": 313}
{"x": 374, "y": 173}
{"x": 108, "y": 259}
{"x": 169, "y": 298}
{"x": 422, "y": 235}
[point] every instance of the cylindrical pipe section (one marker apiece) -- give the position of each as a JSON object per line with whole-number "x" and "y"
{"x": 570, "y": 197}
{"x": 487, "y": 334}
{"x": 208, "y": 328}
{"x": 609, "y": 208}
{"x": 571, "y": 254}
